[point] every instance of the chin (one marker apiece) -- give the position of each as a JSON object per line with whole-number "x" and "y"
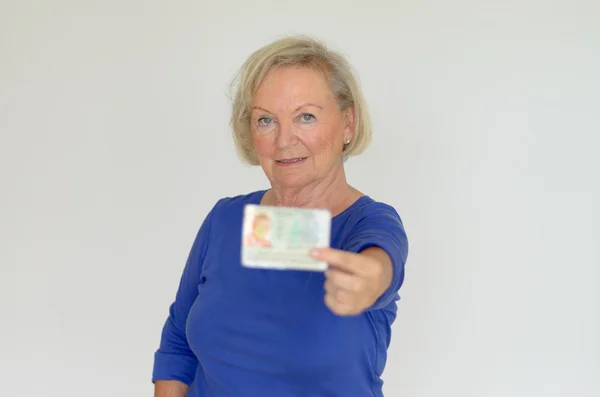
{"x": 291, "y": 181}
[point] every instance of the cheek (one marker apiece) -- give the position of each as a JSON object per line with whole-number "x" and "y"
{"x": 321, "y": 142}
{"x": 263, "y": 145}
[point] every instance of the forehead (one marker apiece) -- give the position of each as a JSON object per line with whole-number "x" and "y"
{"x": 292, "y": 84}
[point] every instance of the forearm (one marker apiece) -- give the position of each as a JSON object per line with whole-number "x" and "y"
{"x": 170, "y": 388}
{"x": 387, "y": 273}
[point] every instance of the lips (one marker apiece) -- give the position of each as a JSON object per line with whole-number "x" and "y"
{"x": 290, "y": 162}
{"x": 294, "y": 160}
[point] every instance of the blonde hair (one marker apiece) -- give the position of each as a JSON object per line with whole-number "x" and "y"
{"x": 298, "y": 51}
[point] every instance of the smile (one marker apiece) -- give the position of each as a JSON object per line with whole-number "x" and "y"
{"x": 290, "y": 162}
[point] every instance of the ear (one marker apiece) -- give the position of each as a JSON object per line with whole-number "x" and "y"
{"x": 349, "y": 120}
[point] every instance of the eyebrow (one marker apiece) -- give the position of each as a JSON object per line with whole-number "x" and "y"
{"x": 298, "y": 108}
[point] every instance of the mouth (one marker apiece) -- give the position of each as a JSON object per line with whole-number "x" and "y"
{"x": 290, "y": 162}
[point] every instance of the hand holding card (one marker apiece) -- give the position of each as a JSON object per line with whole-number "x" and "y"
{"x": 354, "y": 281}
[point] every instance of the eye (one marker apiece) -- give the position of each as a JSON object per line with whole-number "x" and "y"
{"x": 265, "y": 121}
{"x": 307, "y": 117}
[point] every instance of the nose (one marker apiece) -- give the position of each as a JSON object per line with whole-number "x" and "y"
{"x": 286, "y": 136}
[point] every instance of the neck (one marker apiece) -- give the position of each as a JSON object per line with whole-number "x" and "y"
{"x": 332, "y": 192}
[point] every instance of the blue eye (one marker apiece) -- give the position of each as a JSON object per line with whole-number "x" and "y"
{"x": 307, "y": 118}
{"x": 265, "y": 121}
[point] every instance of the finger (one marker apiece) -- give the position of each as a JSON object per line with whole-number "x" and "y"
{"x": 335, "y": 293}
{"x": 329, "y": 286}
{"x": 343, "y": 280}
{"x": 341, "y": 308}
{"x": 341, "y": 296}
{"x": 347, "y": 261}
{"x": 337, "y": 307}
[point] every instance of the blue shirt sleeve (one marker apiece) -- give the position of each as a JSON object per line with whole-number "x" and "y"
{"x": 174, "y": 360}
{"x": 380, "y": 226}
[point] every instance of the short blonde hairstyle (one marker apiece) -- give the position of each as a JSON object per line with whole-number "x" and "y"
{"x": 298, "y": 51}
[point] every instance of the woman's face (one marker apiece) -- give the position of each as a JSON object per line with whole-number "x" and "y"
{"x": 261, "y": 227}
{"x": 298, "y": 131}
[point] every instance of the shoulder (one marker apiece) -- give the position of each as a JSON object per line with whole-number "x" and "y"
{"x": 226, "y": 214}
{"x": 234, "y": 205}
{"x": 370, "y": 222}
{"x": 370, "y": 211}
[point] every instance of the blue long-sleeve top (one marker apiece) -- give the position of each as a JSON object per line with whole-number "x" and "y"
{"x": 237, "y": 331}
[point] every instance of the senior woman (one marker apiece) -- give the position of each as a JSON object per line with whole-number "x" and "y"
{"x": 237, "y": 331}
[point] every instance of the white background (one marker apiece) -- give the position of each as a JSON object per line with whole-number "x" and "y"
{"x": 115, "y": 143}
